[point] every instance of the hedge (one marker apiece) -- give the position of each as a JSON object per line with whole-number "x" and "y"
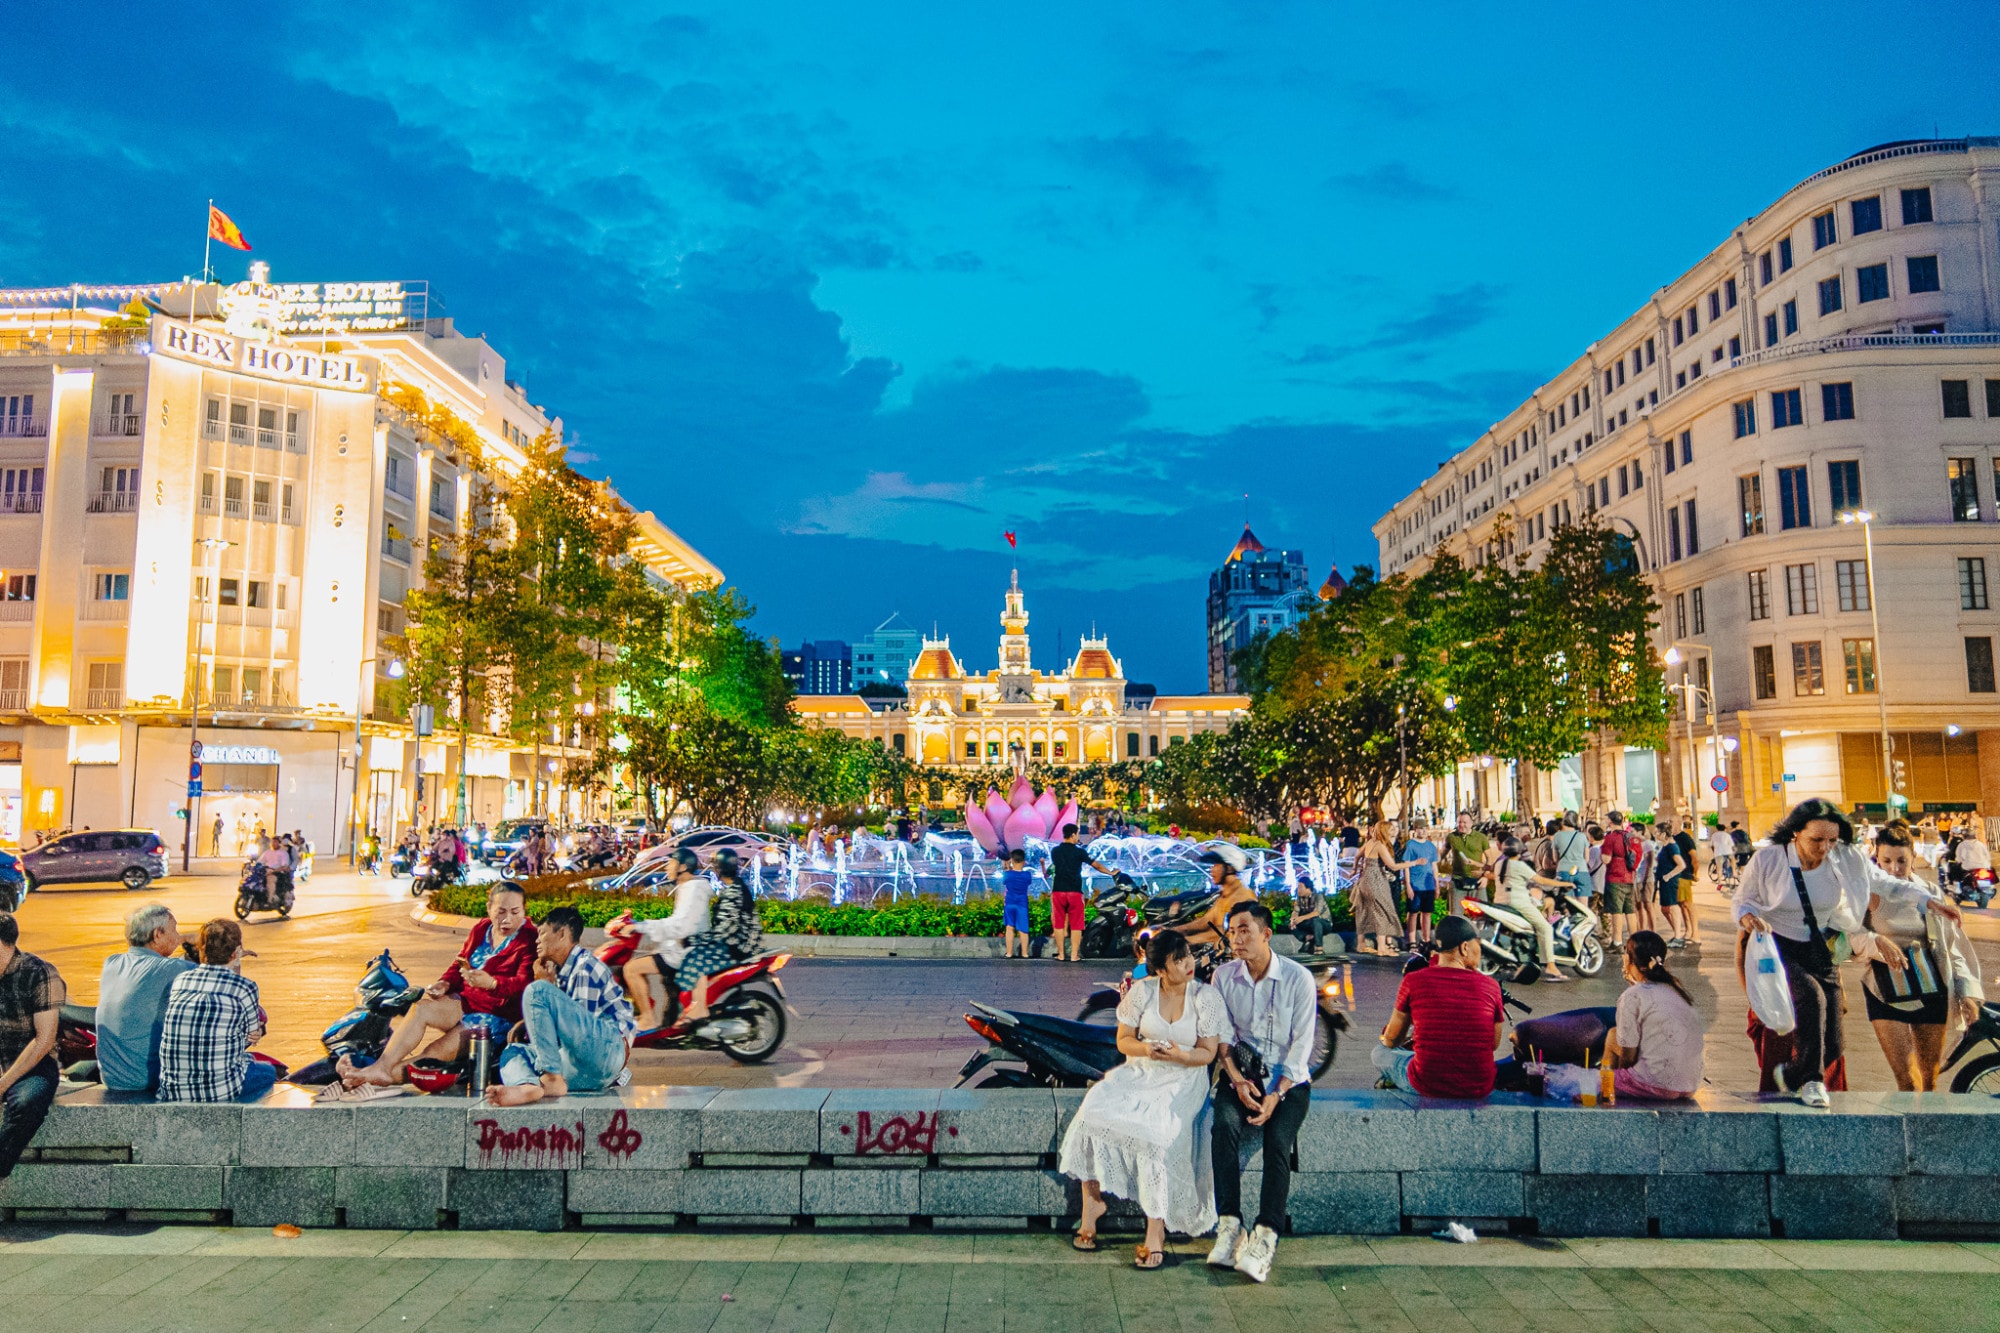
{"x": 919, "y": 914}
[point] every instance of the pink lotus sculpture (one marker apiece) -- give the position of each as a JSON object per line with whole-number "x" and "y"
{"x": 1005, "y": 823}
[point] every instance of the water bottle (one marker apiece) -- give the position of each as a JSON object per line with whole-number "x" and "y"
{"x": 478, "y": 1046}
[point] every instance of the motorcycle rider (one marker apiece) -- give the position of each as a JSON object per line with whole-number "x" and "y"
{"x": 276, "y": 863}
{"x": 1517, "y": 883}
{"x": 668, "y": 936}
{"x": 1213, "y": 927}
{"x": 734, "y": 937}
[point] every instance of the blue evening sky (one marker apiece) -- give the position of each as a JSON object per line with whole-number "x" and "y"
{"x": 844, "y": 292}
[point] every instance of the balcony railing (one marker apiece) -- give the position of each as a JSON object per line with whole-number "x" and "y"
{"x": 400, "y": 485}
{"x": 118, "y": 423}
{"x": 23, "y": 427}
{"x": 114, "y": 502}
{"x": 288, "y": 514}
{"x": 260, "y": 510}
{"x": 1860, "y": 342}
{"x": 396, "y": 547}
{"x": 292, "y": 444}
{"x": 232, "y": 507}
{"x": 13, "y": 701}
{"x": 71, "y": 342}
{"x": 206, "y": 504}
{"x": 17, "y": 611}
{"x": 21, "y": 502}
{"x": 95, "y": 610}
{"x": 103, "y": 701}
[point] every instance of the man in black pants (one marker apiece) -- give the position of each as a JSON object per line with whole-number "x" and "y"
{"x": 1272, "y": 1011}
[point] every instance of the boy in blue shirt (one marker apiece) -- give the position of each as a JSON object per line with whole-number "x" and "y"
{"x": 1015, "y": 880}
{"x": 1422, "y": 851}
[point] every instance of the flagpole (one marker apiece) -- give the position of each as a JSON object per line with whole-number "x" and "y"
{"x": 207, "y": 240}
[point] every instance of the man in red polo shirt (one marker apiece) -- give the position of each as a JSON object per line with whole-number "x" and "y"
{"x": 1458, "y": 1020}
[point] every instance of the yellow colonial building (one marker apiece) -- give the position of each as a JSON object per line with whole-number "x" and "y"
{"x": 1084, "y": 714}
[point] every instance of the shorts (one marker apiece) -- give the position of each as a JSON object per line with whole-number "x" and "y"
{"x": 1671, "y": 891}
{"x": 1066, "y": 911}
{"x": 1618, "y": 898}
{"x": 1423, "y": 902}
{"x": 1015, "y": 914}
{"x": 1935, "y": 1011}
{"x": 493, "y": 1025}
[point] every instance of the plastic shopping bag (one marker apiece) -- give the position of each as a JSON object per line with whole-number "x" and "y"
{"x": 1764, "y": 977}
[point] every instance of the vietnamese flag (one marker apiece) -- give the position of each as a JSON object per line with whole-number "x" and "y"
{"x": 220, "y": 228}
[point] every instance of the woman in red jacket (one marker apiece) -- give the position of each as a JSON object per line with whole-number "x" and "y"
{"x": 482, "y": 988}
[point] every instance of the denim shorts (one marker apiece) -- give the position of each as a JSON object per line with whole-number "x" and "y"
{"x": 493, "y": 1025}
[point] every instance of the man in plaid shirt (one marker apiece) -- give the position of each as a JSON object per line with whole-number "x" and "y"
{"x": 580, "y": 1025}
{"x": 31, "y": 999}
{"x": 211, "y": 1019}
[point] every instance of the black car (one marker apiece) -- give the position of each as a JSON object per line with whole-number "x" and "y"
{"x": 509, "y": 838}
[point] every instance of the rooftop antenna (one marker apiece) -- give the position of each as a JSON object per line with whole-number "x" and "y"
{"x": 1246, "y": 509}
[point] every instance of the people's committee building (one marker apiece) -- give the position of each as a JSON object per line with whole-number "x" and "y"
{"x": 1838, "y": 355}
{"x": 954, "y": 717}
{"x": 214, "y": 499}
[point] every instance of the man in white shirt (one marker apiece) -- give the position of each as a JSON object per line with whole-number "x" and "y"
{"x": 667, "y": 936}
{"x": 1272, "y": 1011}
{"x": 1721, "y": 857}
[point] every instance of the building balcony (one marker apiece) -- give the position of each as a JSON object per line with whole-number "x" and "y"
{"x": 1858, "y": 342}
{"x": 235, "y": 507}
{"x": 396, "y": 548}
{"x": 114, "y": 502}
{"x": 103, "y": 701}
{"x": 106, "y": 610}
{"x": 17, "y": 611}
{"x": 21, "y": 502}
{"x": 13, "y": 701}
{"x": 19, "y": 428}
{"x": 71, "y": 342}
{"x": 402, "y": 486}
{"x": 118, "y": 424}
{"x": 260, "y": 510}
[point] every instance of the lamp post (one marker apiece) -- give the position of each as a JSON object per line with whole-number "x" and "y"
{"x": 1867, "y": 521}
{"x": 1717, "y": 746}
{"x": 214, "y": 546}
{"x": 354, "y": 793}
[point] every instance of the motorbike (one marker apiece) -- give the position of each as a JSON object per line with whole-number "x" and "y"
{"x": 401, "y": 862}
{"x": 1981, "y": 1073}
{"x": 263, "y": 890}
{"x": 1042, "y": 1051}
{"x": 1507, "y": 939}
{"x": 1124, "y": 909}
{"x": 428, "y": 876}
{"x": 1974, "y": 888}
{"x": 382, "y": 994}
{"x": 746, "y": 1008}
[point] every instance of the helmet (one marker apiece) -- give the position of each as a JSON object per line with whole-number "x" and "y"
{"x": 431, "y": 1076}
{"x": 1224, "y": 854}
{"x": 724, "y": 863}
{"x": 687, "y": 859}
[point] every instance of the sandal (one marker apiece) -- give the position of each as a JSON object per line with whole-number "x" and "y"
{"x": 1148, "y": 1259}
{"x": 1084, "y": 1240}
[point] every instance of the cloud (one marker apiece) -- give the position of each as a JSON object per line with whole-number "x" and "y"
{"x": 1165, "y": 168}
{"x": 1393, "y": 181}
{"x": 1445, "y": 315}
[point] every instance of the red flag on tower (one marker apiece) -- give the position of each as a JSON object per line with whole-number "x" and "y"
{"x": 1010, "y": 541}
{"x": 220, "y": 228}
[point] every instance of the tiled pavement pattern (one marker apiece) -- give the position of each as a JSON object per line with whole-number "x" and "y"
{"x": 217, "y": 1281}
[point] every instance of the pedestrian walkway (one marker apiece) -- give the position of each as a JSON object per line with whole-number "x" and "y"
{"x": 216, "y": 1279}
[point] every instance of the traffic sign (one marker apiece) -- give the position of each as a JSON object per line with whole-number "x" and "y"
{"x": 194, "y": 786}
{"x": 1720, "y": 783}
{"x": 194, "y": 749}
{"x": 1791, "y": 777}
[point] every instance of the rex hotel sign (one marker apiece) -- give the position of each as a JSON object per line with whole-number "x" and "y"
{"x": 221, "y": 350}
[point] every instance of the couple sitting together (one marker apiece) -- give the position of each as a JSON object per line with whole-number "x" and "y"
{"x": 1149, "y": 1130}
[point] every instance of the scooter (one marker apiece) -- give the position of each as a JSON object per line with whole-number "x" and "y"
{"x": 1974, "y": 888}
{"x": 428, "y": 876}
{"x": 746, "y": 1008}
{"x": 1041, "y": 1051}
{"x": 1982, "y": 1072}
{"x": 1507, "y": 939}
{"x": 1123, "y": 909}
{"x": 263, "y": 890}
{"x": 382, "y": 994}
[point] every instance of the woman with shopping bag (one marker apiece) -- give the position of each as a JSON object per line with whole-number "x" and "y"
{"x": 1918, "y": 1012}
{"x": 1809, "y": 890}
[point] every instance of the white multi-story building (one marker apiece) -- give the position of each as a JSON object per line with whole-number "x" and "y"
{"x": 1837, "y": 355}
{"x": 212, "y": 503}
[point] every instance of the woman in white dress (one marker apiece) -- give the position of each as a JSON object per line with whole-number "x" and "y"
{"x": 1142, "y": 1132}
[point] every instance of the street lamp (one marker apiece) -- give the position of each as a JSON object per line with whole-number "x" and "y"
{"x": 212, "y": 563}
{"x": 1689, "y": 690}
{"x": 1867, "y": 521}
{"x": 354, "y": 794}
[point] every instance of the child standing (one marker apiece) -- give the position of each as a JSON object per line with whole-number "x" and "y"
{"x": 1014, "y": 881}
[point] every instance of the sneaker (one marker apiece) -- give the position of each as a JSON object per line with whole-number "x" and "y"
{"x": 1814, "y": 1094}
{"x": 1255, "y": 1260}
{"x": 1677, "y": 943}
{"x": 1229, "y": 1240}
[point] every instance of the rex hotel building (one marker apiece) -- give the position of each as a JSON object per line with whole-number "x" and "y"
{"x": 1837, "y": 355}
{"x": 208, "y": 503}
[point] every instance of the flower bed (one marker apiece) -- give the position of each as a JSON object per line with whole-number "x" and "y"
{"x": 918, "y": 915}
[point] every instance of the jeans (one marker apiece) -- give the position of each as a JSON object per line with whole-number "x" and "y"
{"x": 1394, "y": 1064}
{"x": 1280, "y": 1135}
{"x": 258, "y": 1079}
{"x": 1522, "y": 901}
{"x": 563, "y": 1038}
{"x": 1818, "y": 1039}
{"x": 1310, "y": 933}
{"x": 22, "y": 1111}
{"x": 1585, "y": 886}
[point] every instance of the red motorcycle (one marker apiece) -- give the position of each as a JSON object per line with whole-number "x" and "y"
{"x": 746, "y": 1008}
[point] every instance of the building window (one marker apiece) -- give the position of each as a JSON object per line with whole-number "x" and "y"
{"x": 1992, "y": 407}
{"x": 1791, "y": 313}
{"x": 1687, "y": 446}
{"x": 232, "y": 592}
{"x": 1152, "y": 747}
{"x": 1680, "y": 615}
{"x": 1957, "y": 398}
{"x": 1770, "y": 330}
{"x": 1745, "y": 414}
{"x": 1851, "y": 577}
{"x": 1963, "y": 476}
{"x": 1693, "y": 531}
{"x": 1916, "y": 206}
{"x": 1971, "y": 583}
{"x": 1786, "y": 409}
{"x": 1865, "y": 216}
{"x": 1750, "y": 497}
{"x": 118, "y": 587}
{"x": 1843, "y": 485}
{"x": 1808, "y": 670}
{"x": 1673, "y": 534}
{"x": 1859, "y": 657}
{"x": 1622, "y": 491}
{"x": 18, "y": 588}
{"x": 1760, "y": 594}
{"x": 1802, "y": 590}
{"x": 1794, "y": 499}
{"x": 1785, "y": 255}
{"x": 1729, "y": 294}
{"x": 1698, "y": 607}
{"x": 1829, "y": 295}
{"x": 106, "y": 685}
{"x": 1678, "y": 337}
{"x": 1131, "y": 745}
{"x": 258, "y": 594}
{"x": 1836, "y": 402}
{"x": 972, "y": 749}
{"x": 1871, "y": 283}
{"x": 1979, "y": 665}
{"x": 1764, "y": 671}
{"x": 1923, "y": 273}
{"x": 1764, "y": 268}
{"x": 1825, "y": 230}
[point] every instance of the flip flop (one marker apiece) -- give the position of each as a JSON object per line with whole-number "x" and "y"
{"x": 1146, "y": 1259}
{"x": 1084, "y": 1240}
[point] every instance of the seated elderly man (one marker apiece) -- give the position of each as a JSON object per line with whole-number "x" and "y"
{"x": 132, "y": 999}
{"x": 481, "y": 989}
{"x": 212, "y": 1016}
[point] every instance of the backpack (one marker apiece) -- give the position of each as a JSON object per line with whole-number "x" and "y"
{"x": 1628, "y": 848}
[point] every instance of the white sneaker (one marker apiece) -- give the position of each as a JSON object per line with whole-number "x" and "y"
{"x": 1814, "y": 1094}
{"x": 1255, "y": 1260}
{"x": 1229, "y": 1239}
